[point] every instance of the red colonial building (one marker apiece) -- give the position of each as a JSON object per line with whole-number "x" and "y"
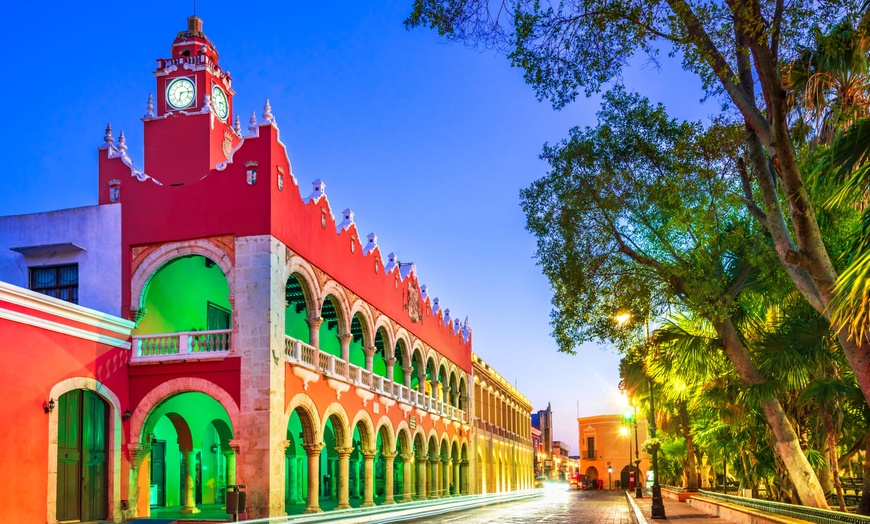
{"x": 263, "y": 341}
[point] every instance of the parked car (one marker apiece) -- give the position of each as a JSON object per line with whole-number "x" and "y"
{"x": 575, "y": 481}
{"x": 539, "y": 482}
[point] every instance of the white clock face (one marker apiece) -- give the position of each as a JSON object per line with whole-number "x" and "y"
{"x": 180, "y": 93}
{"x": 219, "y": 102}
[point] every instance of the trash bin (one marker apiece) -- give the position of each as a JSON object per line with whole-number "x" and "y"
{"x": 236, "y": 500}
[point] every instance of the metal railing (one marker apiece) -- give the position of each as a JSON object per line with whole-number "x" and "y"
{"x": 185, "y": 345}
{"x": 301, "y": 354}
{"x": 819, "y": 516}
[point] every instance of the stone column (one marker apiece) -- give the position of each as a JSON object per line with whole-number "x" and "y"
{"x": 422, "y": 467}
{"x": 389, "y": 475}
{"x": 314, "y": 331}
{"x": 421, "y": 382}
{"x": 343, "y": 467}
{"x": 369, "y": 491}
{"x": 313, "y": 452}
{"x": 446, "y": 392}
{"x": 434, "y": 481}
{"x": 189, "y": 483}
{"x": 406, "y": 476}
{"x": 408, "y": 370}
{"x": 455, "y": 478}
{"x": 344, "y": 341}
{"x": 446, "y": 470}
{"x": 391, "y": 363}
{"x": 370, "y": 355}
{"x": 436, "y": 386}
{"x": 463, "y": 477}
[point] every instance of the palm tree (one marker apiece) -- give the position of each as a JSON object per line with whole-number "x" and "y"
{"x": 830, "y": 80}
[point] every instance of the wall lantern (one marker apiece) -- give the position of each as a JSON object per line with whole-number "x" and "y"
{"x": 48, "y": 406}
{"x": 127, "y": 415}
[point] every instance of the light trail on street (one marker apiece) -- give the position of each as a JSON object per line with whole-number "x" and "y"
{"x": 557, "y": 506}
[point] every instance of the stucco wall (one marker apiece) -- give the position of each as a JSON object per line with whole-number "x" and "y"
{"x": 97, "y": 229}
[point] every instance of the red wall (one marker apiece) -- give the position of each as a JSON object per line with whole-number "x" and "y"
{"x": 221, "y": 202}
{"x": 34, "y": 360}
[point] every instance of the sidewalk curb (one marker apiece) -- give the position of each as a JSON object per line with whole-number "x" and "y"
{"x": 636, "y": 514}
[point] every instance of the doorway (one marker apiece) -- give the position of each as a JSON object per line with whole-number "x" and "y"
{"x": 158, "y": 473}
{"x": 82, "y": 442}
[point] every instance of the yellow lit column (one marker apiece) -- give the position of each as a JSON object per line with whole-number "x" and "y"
{"x": 369, "y": 489}
{"x": 406, "y": 472}
{"x": 343, "y": 470}
{"x": 422, "y": 463}
{"x": 389, "y": 462}
{"x": 313, "y": 452}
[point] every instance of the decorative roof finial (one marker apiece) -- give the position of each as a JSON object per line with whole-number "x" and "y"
{"x": 206, "y": 104}
{"x": 122, "y": 142}
{"x": 267, "y": 113}
{"x": 108, "y": 138}
{"x": 150, "y": 107}
{"x": 252, "y": 124}
{"x": 238, "y": 127}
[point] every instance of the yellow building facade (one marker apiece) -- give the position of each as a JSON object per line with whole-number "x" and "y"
{"x": 502, "y": 442}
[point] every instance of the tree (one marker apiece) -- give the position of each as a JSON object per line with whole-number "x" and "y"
{"x": 641, "y": 206}
{"x": 738, "y": 49}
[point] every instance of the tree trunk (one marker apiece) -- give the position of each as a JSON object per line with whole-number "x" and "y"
{"x": 864, "y": 506}
{"x": 691, "y": 464}
{"x": 786, "y": 444}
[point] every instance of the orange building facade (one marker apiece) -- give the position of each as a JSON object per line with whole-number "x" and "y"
{"x": 608, "y": 449}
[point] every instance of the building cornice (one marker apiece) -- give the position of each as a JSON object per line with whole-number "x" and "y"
{"x": 60, "y": 308}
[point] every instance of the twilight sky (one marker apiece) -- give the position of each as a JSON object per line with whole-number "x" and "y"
{"x": 429, "y": 144}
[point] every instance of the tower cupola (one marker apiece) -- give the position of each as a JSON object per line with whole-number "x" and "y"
{"x": 193, "y": 118}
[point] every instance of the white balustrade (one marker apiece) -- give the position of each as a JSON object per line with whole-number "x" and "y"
{"x": 301, "y": 354}
{"x": 183, "y": 345}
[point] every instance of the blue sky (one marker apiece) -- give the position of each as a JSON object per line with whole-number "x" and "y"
{"x": 429, "y": 143}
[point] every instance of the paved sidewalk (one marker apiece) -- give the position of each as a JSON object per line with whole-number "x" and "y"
{"x": 674, "y": 511}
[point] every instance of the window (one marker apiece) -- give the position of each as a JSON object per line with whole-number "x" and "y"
{"x": 217, "y": 317}
{"x": 56, "y": 281}
{"x": 590, "y": 448}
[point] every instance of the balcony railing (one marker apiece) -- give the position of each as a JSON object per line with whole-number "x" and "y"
{"x": 183, "y": 346}
{"x": 301, "y": 354}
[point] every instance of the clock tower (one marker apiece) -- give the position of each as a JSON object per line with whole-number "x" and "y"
{"x": 190, "y": 130}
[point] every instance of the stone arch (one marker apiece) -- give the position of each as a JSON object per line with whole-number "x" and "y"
{"x": 385, "y": 426}
{"x": 337, "y": 410}
{"x": 174, "y": 387}
{"x": 300, "y": 269}
{"x": 383, "y": 322}
{"x": 361, "y": 309}
{"x": 114, "y": 445}
{"x": 182, "y": 429}
{"x": 462, "y": 394}
{"x": 368, "y": 436}
{"x": 404, "y": 438}
{"x": 340, "y": 303}
{"x": 170, "y": 251}
{"x": 310, "y": 422}
{"x": 402, "y": 334}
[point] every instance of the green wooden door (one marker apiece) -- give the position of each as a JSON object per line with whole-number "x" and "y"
{"x": 69, "y": 456}
{"x": 94, "y": 444}
{"x": 82, "y": 440}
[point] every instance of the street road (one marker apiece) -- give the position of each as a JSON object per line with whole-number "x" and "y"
{"x": 557, "y": 506}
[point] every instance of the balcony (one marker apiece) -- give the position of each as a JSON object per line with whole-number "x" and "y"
{"x": 299, "y": 353}
{"x": 182, "y": 346}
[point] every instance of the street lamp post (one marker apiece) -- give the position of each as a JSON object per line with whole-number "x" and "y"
{"x": 638, "y": 486}
{"x": 610, "y": 478}
{"x": 658, "y": 506}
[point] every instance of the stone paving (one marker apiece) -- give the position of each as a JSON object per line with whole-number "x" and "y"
{"x": 558, "y": 506}
{"x": 674, "y": 511}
